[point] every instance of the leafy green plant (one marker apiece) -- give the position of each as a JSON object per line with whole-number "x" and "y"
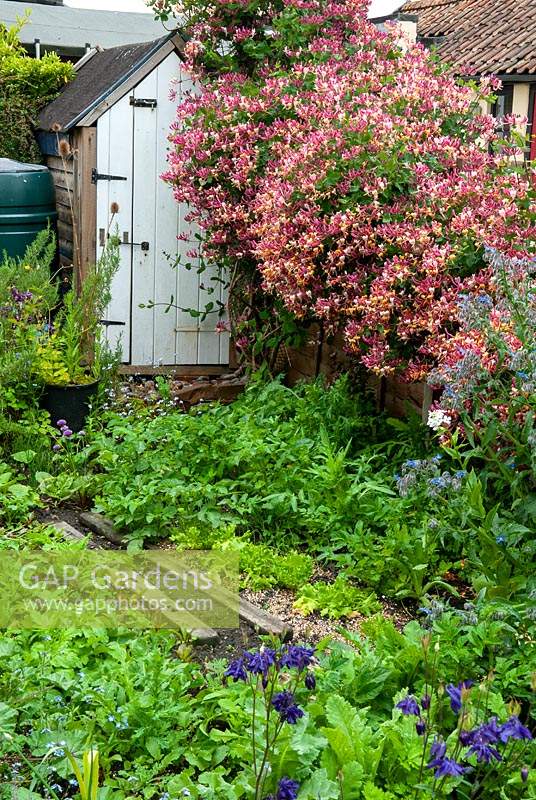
{"x": 87, "y": 775}
{"x": 26, "y": 84}
{"x": 336, "y": 600}
{"x": 75, "y": 349}
{"x": 276, "y": 462}
{"x": 37, "y": 536}
{"x": 262, "y": 568}
{"x": 17, "y": 499}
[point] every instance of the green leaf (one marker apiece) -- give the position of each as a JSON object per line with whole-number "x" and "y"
{"x": 153, "y": 747}
{"x": 351, "y": 781}
{"x": 318, "y": 785}
{"x": 24, "y": 456}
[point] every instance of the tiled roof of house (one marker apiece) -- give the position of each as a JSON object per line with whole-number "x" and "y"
{"x": 482, "y": 36}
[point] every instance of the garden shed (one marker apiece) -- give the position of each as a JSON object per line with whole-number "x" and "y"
{"x": 116, "y": 116}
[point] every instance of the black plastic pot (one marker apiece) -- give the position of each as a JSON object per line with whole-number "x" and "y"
{"x": 70, "y": 403}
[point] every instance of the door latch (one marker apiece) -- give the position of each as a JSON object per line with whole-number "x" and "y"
{"x": 99, "y": 176}
{"x": 144, "y": 245}
{"x": 143, "y": 102}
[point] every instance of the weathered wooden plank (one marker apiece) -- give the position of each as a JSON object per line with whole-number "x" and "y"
{"x": 264, "y": 621}
{"x": 62, "y": 179}
{"x": 68, "y": 530}
{"x": 62, "y": 196}
{"x": 102, "y": 526}
{"x": 65, "y": 231}
{"x": 86, "y": 198}
{"x": 64, "y": 214}
{"x": 61, "y": 165}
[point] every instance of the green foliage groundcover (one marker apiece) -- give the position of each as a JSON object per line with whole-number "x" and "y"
{"x": 311, "y": 469}
{"x": 26, "y": 84}
{"x": 169, "y": 728}
{"x": 277, "y": 462}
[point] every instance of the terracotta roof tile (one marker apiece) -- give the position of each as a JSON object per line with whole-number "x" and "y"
{"x": 482, "y": 36}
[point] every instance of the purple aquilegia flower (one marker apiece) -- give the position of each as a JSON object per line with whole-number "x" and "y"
{"x": 444, "y": 767}
{"x": 484, "y": 752}
{"x": 524, "y": 774}
{"x": 455, "y": 694}
{"x": 297, "y": 657}
{"x": 260, "y": 662}
{"x": 420, "y": 727}
{"x": 488, "y": 733}
{"x": 449, "y": 768}
{"x": 513, "y": 729}
{"x": 310, "y": 681}
{"x": 409, "y": 706}
{"x": 287, "y": 789}
{"x": 481, "y": 741}
{"x": 437, "y": 752}
{"x": 425, "y": 702}
{"x": 284, "y": 704}
{"x": 236, "y": 670}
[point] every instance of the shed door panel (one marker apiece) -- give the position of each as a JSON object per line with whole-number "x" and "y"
{"x": 114, "y": 157}
{"x": 157, "y": 337}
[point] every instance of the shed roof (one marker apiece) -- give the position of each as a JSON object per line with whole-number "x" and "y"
{"x": 98, "y": 76}
{"x": 480, "y": 36}
{"x": 64, "y": 28}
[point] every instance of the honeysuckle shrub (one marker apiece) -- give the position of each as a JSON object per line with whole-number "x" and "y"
{"x": 26, "y": 84}
{"x": 341, "y": 177}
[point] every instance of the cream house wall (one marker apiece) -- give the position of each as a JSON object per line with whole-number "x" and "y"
{"x": 521, "y": 102}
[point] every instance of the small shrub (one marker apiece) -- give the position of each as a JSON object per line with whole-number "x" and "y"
{"x": 336, "y": 600}
{"x": 26, "y": 84}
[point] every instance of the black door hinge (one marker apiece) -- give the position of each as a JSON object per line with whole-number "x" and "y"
{"x": 98, "y": 176}
{"x": 143, "y": 102}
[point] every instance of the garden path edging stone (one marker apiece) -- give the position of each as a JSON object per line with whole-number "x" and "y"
{"x": 261, "y": 620}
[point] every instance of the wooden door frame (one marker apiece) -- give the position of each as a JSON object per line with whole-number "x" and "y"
{"x": 532, "y": 122}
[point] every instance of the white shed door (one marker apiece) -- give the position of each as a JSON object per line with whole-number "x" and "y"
{"x": 132, "y": 145}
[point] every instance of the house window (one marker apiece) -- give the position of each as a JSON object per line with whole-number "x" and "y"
{"x": 503, "y": 107}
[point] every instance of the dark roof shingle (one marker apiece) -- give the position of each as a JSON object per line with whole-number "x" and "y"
{"x": 480, "y": 36}
{"x": 93, "y": 81}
